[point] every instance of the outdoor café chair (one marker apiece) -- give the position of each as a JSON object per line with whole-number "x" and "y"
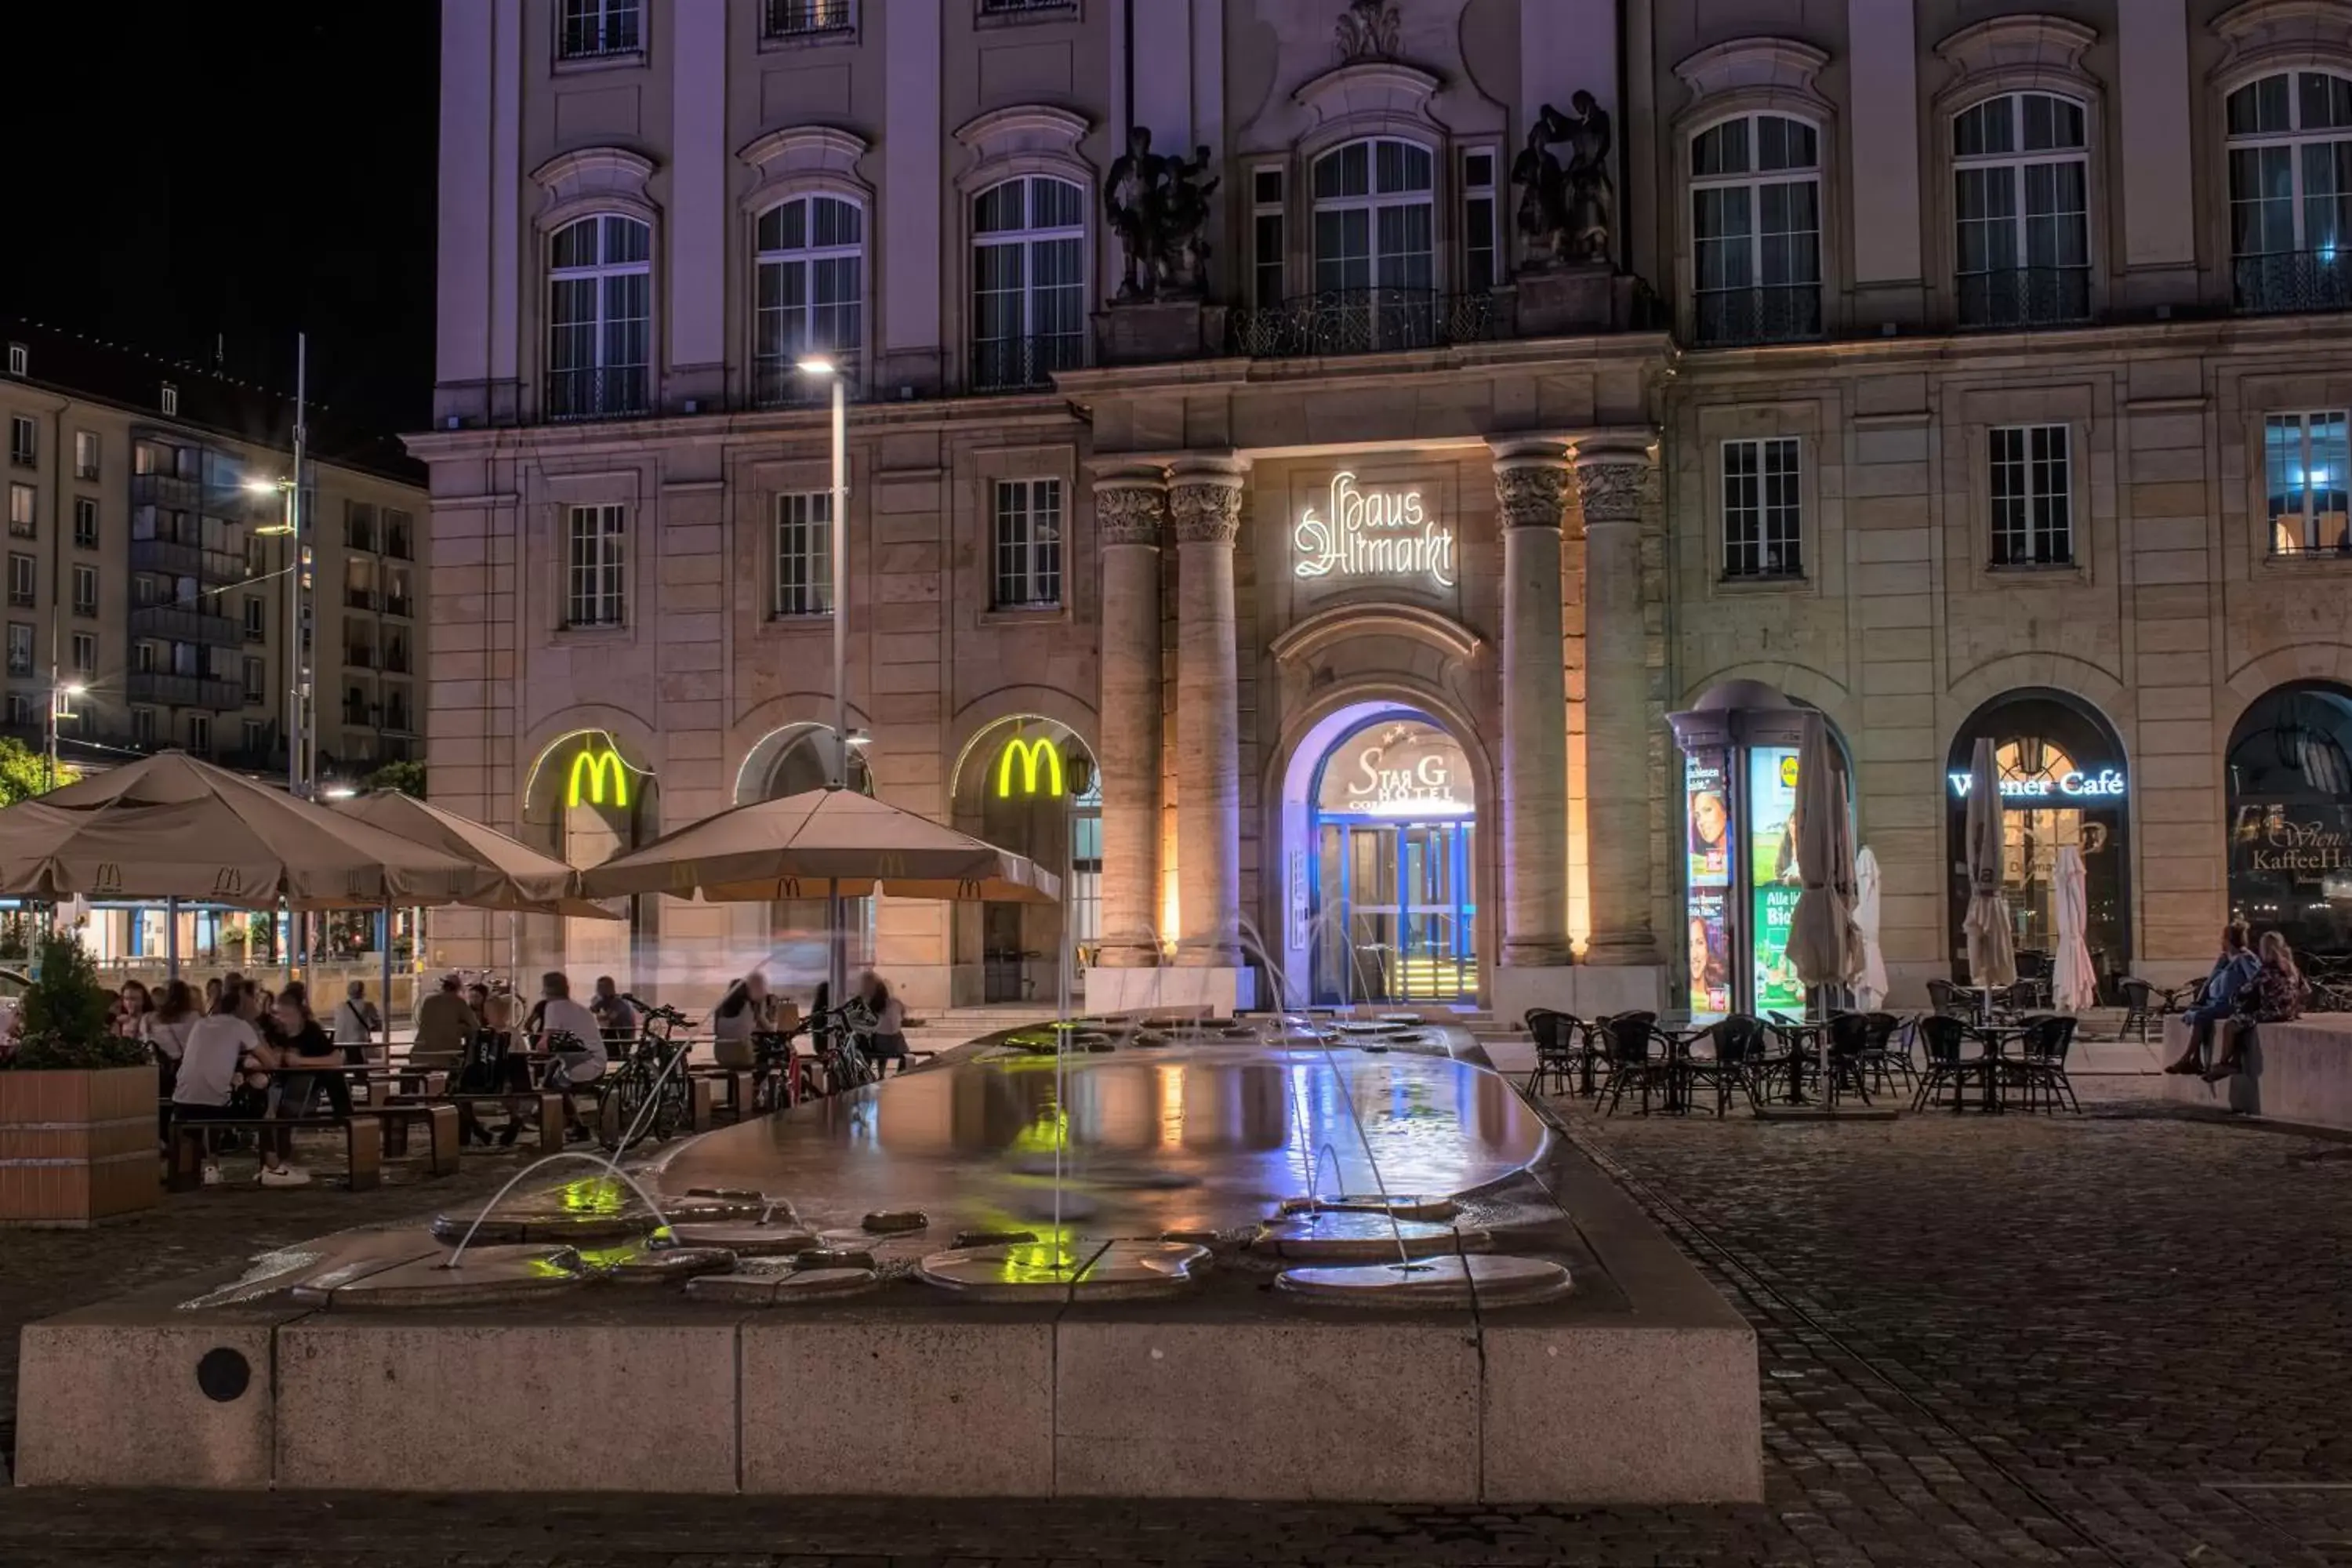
{"x": 1556, "y": 1035}
{"x": 1946, "y": 1040}
{"x": 1631, "y": 1063}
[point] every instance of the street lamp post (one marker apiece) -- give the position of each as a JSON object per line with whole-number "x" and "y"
{"x": 837, "y": 954}
{"x": 61, "y": 696}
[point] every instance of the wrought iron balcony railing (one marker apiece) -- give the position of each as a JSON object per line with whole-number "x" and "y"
{"x": 1018, "y": 365}
{"x": 1025, "y": 8}
{"x": 2293, "y": 280}
{"x": 2025, "y": 297}
{"x": 606, "y": 391}
{"x": 600, "y": 33}
{"x": 778, "y": 382}
{"x": 1362, "y": 321}
{"x": 802, "y": 18}
{"x": 1778, "y": 313}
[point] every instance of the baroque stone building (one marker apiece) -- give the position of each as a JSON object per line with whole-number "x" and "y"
{"x": 1952, "y": 369}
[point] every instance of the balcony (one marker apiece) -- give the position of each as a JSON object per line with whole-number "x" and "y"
{"x": 185, "y": 692}
{"x": 400, "y": 543}
{"x": 399, "y": 604}
{"x": 359, "y": 536}
{"x": 802, "y": 18}
{"x": 2293, "y": 282}
{"x": 1024, "y": 365}
{"x": 359, "y": 658}
{"x": 360, "y": 715}
{"x": 167, "y": 490}
{"x": 2025, "y": 297}
{"x": 172, "y": 622}
{"x": 1362, "y": 321}
{"x": 1781, "y": 313}
{"x": 777, "y": 381}
{"x": 178, "y": 559}
{"x": 616, "y": 392}
{"x": 397, "y": 720}
{"x": 358, "y": 598}
{"x": 396, "y": 661}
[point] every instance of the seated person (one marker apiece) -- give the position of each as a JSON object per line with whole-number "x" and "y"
{"x": 740, "y": 1013}
{"x": 443, "y": 1026}
{"x": 2274, "y": 995}
{"x": 572, "y": 1033}
{"x": 2232, "y": 971}
{"x": 210, "y": 1085}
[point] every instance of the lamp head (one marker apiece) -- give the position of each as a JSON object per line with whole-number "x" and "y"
{"x": 816, "y": 365}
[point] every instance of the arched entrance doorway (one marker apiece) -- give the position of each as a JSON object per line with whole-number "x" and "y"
{"x": 2290, "y": 784}
{"x": 789, "y": 938}
{"x": 1391, "y": 905}
{"x": 587, "y": 800}
{"x": 2062, "y": 782}
{"x": 1028, "y": 783}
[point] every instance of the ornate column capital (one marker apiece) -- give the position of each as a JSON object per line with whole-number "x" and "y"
{"x": 1204, "y": 499}
{"x": 1531, "y": 483}
{"x": 1130, "y": 508}
{"x": 1609, "y": 472}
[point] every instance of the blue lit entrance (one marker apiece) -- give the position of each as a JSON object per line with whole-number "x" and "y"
{"x": 1394, "y": 894}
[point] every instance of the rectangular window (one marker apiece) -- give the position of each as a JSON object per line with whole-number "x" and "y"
{"x": 252, "y": 729}
{"x": 23, "y": 501}
{"x": 1028, "y": 543}
{"x": 591, "y": 29}
{"x": 254, "y": 611}
{"x": 85, "y": 454}
{"x": 2305, "y": 458}
{"x": 20, "y": 360}
{"x": 150, "y": 457}
{"x": 142, "y": 726}
{"x": 1479, "y": 210}
{"x": 2032, "y": 497}
{"x": 399, "y": 534}
{"x": 23, "y": 441}
{"x": 257, "y": 679}
{"x": 21, "y": 579}
{"x": 145, "y": 658}
{"x": 803, "y": 18}
{"x": 359, "y": 525}
{"x": 805, "y": 554}
{"x": 1266, "y": 252}
{"x": 200, "y": 734}
{"x": 20, "y": 648}
{"x": 85, "y": 522}
{"x": 1763, "y": 534}
{"x": 595, "y": 592}
{"x": 85, "y": 590}
{"x": 85, "y": 654}
{"x": 171, "y": 400}
{"x": 23, "y": 712}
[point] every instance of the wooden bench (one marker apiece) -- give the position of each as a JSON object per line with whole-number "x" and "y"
{"x": 443, "y": 1126}
{"x": 740, "y": 1086}
{"x": 363, "y": 1134}
{"x": 550, "y": 1123}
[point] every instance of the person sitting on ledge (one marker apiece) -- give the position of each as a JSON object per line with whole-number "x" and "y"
{"x": 2274, "y": 995}
{"x": 2232, "y": 971}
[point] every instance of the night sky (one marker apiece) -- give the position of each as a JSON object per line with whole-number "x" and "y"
{"x": 186, "y": 176}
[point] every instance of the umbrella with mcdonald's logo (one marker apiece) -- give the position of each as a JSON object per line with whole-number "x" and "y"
{"x": 817, "y": 843}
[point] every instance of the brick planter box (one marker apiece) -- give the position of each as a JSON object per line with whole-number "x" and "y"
{"x": 77, "y": 1147}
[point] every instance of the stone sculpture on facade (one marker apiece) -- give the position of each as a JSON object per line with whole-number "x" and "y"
{"x": 1367, "y": 29}
{"x": 1568, "y": 212}
{"x": 1159, "y": 207}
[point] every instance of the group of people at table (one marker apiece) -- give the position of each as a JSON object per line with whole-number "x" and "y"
{"x": 245, "y": 1052}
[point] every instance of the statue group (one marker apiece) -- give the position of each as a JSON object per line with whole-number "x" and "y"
{"x": 1159, "y": 207}
{"x": 1568, "y": 212}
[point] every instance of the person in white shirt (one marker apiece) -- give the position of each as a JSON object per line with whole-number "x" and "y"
{"x": 740, "y": 1013}
{"x": 887, "y": 1040}
{"x": 212, "y": 1063}
{"x": 167, "y": 1029}
{"x": 356, "y": 1022}
{"x": 578, "y": 1060}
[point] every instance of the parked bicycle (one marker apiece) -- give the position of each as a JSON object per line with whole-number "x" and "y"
{"x": 644, "y": 1091}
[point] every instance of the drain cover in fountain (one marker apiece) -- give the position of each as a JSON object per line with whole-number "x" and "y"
{"x": 1486, "y": 1282}
{"x": 1339, "y": 1238}
{"x": 895, "y": 1222}
{"x": 653, "y": 1261}
{"x": 1403, "y": 1205}
{"x": 485, "y": 1274}
{"x": 745, "y": 1240}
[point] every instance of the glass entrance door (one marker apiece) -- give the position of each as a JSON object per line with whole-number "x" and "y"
{"x": 1396, "y": 912}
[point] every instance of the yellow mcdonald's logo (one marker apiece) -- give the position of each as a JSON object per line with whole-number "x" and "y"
{"x": 598, "y": 766}
{"x": 892, "y": 865}
{"x": 1030, "y": 755}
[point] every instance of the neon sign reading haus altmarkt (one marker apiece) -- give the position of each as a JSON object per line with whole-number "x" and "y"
{"x": 1372, "y": 533}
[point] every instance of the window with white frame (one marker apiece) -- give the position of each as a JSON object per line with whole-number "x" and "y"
{"x": 2290, "y": 142}
{"x": 599, "y": 317}
{"x": 1375, "y": 247}
{"x": 251, "y": 732}
{"x": 803, "y": 18}
{"x": 1763, "y": 528}
{"x": 200, "y": 734}
{"x": 808, "y": 294}
{"x": 24, "y": 442}
{"x": 594, "y": 29}
{"x": 85, "y": 590}
{"x": 85, "y": 522}
{"x": 142, "y": 726}
{"x": 22, "y": 510}
{"x": 1270, "y": 254}
{"x": 2032, "y": 496}
{"x": 85, "y": 654}
{"x": 2021, "y": 196}
{"x": 1481, "y": 222}
{"x": 257, "y": 679}
{"x": 255, "y": 627}
{"x": 803, "y": 554}
{"x": 1755, "y": 230}
{"x": 22, "y": 578}
{"x": 168, "y": 399}
{"x": 1028, "y": 281}
{"x": 596, "y": 581}
{"x": 1085, "y": 863}
{"x": 1028, "y": 533}
{"x": 20, "y": 648}
{"x": 85, "y": 454}
{"x": 146, "y": 658}
{"x": 2305, "y": 461}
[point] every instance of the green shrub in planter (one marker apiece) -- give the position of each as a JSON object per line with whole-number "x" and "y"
{"x": 61, "y": 1021}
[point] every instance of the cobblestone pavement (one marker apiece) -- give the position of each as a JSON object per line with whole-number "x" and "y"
{"x": 2117, "y": 1339}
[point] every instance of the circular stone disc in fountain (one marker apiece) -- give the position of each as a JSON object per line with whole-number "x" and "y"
{"x": 1337, "y": 1237}
{"x": 647, "y": 1263}
{"x": 1127, "y": 1269}
{"x": 811, "y": 1283}
{"x": 1028, "y": 1272}
{"x": 483, "y": 1276}
{"x": 896, "y": 1221}
{"x": 1403, "y": 1205}
{"x": 745, "y": 1240}
{"x": 1486, "y": 1282}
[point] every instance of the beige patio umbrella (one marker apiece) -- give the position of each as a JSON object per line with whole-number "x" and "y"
{"x": 818, "y": 842}
{"x": 1992, "y": 959}
{"x": 514, "y": 876}
{"x": 1823, "y": 946}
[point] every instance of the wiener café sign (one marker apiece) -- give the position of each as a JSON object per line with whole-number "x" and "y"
{"x": 1368, "y": 535}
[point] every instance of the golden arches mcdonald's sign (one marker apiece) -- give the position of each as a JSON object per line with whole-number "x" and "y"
{"x": 597, "y": 769}
{"x": 1040, "y": 763}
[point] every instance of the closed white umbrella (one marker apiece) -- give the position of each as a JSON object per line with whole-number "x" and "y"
{"x": 1824, "y": 947}
{"x": 2074, "y": 986}
{"x": 1870, "y": 987}
{"x": 1992, "y": 958}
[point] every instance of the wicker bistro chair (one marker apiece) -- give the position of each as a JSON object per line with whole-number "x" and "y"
{"x": 1737, "y": 1061}
{"x": 1848, "y": 1054}
{"x": 1634, "y": 1060}
{"x": 2140, "y": 1010}
{"x": 2039, "y": 1069}
{"x": 1557, "y": 1037}
{"x": 1948, "y": 1062}
{"x": 1882, "y": 1059}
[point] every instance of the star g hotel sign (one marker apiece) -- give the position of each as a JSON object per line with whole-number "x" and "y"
{"x": 1368, "y": 534}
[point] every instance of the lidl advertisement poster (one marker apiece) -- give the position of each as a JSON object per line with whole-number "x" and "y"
{"x": 1772, "y": 826}
{"x": 1707, "y": 815}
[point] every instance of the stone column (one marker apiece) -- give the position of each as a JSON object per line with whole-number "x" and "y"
{"x": 1608, "y": 475}
{"x": 1530, "y": 485}
{"x": 1205, "y": 500}
{"x": 1130, "y": 506}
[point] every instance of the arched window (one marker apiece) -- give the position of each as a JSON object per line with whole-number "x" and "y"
{"x": 1375, "y": 238}
{"x": 1028, "y": 281}
{"x": 2291, "y": 191}
{"x": 808, "y": 294}
{"x": 2021, "y": 196}
{"x": 1755, "y": 230}
{"x": 2289, "y": 783}
{"x": 599, "y": 317}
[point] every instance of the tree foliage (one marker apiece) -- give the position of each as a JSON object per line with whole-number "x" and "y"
{"x": 407, "y": 777}
{"x": 25, "y": 772}
{"x": 61, "y": 1021}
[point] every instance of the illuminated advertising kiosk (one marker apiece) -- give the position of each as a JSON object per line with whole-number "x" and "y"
{"x": 1738, "y": 849}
